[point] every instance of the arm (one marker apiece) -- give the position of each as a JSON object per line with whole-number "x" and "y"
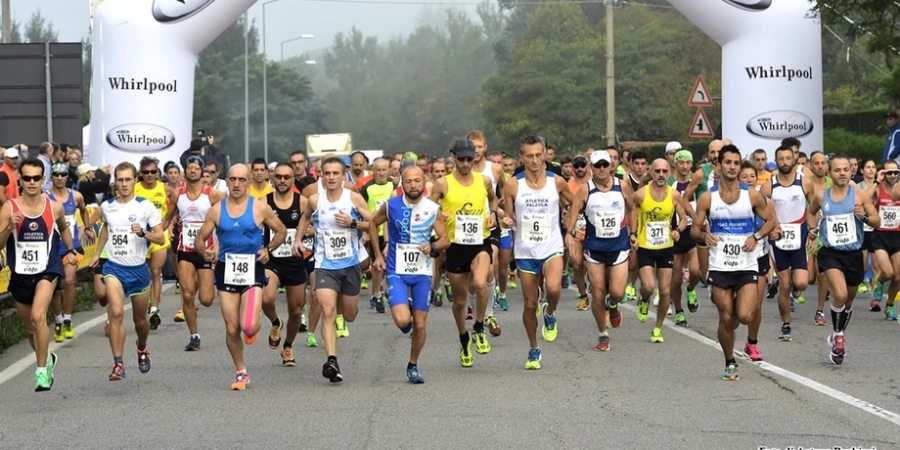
{"x": 304, "y": 224}
{"x": 679, "y": 210}
{"x": 363, "y": 208}
{"x": 761, "y": 209}
{"x": 440, "y": 229}
{"x": 173, "y": 209}
{"x": 64, "y": 234}
{"x": 270, "y": 220}
{"x": 378, "y": 218}
{"x": 696, "y": 181}
{"x": 438, "y": 191}
{"x": 206, "y": 230}
{"x": 697, "y": 228}
{"x": 6, "y": 224}
{"x": 868, "y": 209}
{"x": 156, "y": 235}
{"x": 564, "y": 192}
{"x": 812, "y": 212}
{"x": 630, "y": 211}
{"x": 493, "y": 203}
{"x": 82, "y": 208}
{"x": 510, "y": 191}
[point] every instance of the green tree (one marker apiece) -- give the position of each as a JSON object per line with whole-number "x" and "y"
{"x": 39, "y": 29}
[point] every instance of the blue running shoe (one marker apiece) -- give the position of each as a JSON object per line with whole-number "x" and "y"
{"x": 534, "y": 359}
{"x": 412, "y": 374}
{"x": 878, "y": 292}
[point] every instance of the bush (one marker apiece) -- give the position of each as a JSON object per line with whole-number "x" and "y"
{"x": 859, "y": 145}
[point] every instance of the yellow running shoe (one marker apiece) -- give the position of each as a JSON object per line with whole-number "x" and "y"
{"x": 68, "y": 330}
{"x": 630, "y": 293}
{"x": 534, "y": 359}
{"x": 482, "y": 346}
{"x": 466, "y": 359}
{"x": 656, "y": 335}
{"x": 179, "y": 316}
{"x": 583, "y": 303}
{"x": 58, "y": 333}
{"x": 342, "y": 330}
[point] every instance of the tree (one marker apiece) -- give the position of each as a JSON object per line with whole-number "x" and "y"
{"x": 39, "y": 29}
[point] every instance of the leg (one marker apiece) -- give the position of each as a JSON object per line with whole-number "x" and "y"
{"x": 230, "y": 303}
{"x": 480, "y": 274}
{"x": 529, "y": 282}
{"x": 68, "y": 300}
{"x": 188, "y": 280}
{"x": 296, "y": 298}
{"x": 138, "y": 313}
{"x": 418, "y": 339}
{"x": 207, "y": 286}
{"x": 597, "y": 276}
{"x": 724, "y": 301}
{"x": 115, "y": 311}
{"x": 36, "y": 321}
{"x": 269, "y": 294}
{"x": 459, "y": 285}
{"x": 677, "y": 280}
{"x": 784, "y": 292}
{"x": 157, "y": 261}
{"x": 327, "y": 299}
{"x": 251, "y": 305}
{"x": 665, "y": 286}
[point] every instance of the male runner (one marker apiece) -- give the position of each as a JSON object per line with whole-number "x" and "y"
{"x": 637, "y": 169}
{"x": 260, "y": 186}
{"x": 376, "y": 192}
{"x": 131, "y": 223}
{"x": 37, "y": 225}
{"x": 685, "y": 248}
{"x": 817, "y": 174}
{"x": 579, "y": 181}
{"x": 411, "y": 221}
{"x": 704, "y": 179}
{"x": 238, "y": 221}
{"x": 886, "y": 239}
{"x": 438, "y": 171}
{"x": 157, "y": 193}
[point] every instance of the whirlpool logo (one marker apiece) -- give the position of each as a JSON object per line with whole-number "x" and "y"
{"x": 168, "y": 11}
{"x": 750, "y": 5}
{"x": 140, "y": 137}
{"x": 780, "y": 124}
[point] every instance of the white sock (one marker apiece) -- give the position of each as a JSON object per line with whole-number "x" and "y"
{"x": 59, "y": 319}
{"x": 67, "y": 317}
{"x": 490, "y": 298}
{"x": 153, "y": 309}
{"x": 470, "y": 300}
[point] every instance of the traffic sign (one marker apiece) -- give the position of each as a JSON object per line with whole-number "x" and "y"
{"x": 700, "y": 127}
{"x": 700, "y": 94}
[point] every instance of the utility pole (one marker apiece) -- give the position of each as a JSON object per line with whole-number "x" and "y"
{"x": 610, "y": 78}
{"x": 7, "y": 23}
{"x": 246, "y": 88}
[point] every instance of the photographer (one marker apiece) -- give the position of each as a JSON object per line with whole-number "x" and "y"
{"x": 203, "y": 147}
{"x": 93, "y": 182}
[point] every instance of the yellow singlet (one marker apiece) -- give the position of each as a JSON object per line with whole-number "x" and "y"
{"x": 255, "y": 193}
{"x": 466, "y": 207}
{"x": 655, "y": 221}
{"x": 156, "y": 195}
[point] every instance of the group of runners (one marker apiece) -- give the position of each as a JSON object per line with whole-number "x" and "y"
{"x": 473, "y": 221}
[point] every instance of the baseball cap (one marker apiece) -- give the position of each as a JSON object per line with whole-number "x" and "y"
{"x": 272, "y": 165}
{"x": 579, "y": 160}
{"x": 463, "y": 148}
{"x": 84, "y": 168}
{"x": 600, "y": 155}
{"x": 673, "y": 146}
{"x": 172, "y": 164}
{"x": 193, "y": 159}
{"x": 11, "y": 152}
{"x": 892, "y": 114}
{"x": 683, "y": 155}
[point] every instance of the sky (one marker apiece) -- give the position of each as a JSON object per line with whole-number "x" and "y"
{"x": 285, "y": 19}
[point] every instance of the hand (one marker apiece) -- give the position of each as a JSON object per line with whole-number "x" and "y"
{"x": 811, "y": 244}
{"x": 676, "y": 234}
{"x": 632, "y": 238}
{"x": 71, "y": 259}
{"x": 379, "y": 264}
{"x": 263, "y": 255}
{"x": 749, "y": 244}
{"x": 136, "y": 228}
{"x": 365, "y": 238}
{"x": 95, "y": 261}
{"x": 425, "y": 248}
{"x": 492, "y": 220}
{"x": 580, "y": 234}
{"x": 17, "y": 217}
{"x": 343, "y": 219}
{"x": 212, "y": 139}
{"x": 711, "y": 240}
{"x": 859, "y": 211}
{"x": 879, "y": 177}
{"x": 209, "y": 254}
{"x": 298, "y": 249}
{"x": 444, "y": 216}
{"x": 509, "y": 222}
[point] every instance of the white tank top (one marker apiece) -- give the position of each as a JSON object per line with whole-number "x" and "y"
{"x": 192, "y": 214}
{"x": 732, "y": 224}
{"x": 537, "y": 216}
{"x": 337, "y": 247}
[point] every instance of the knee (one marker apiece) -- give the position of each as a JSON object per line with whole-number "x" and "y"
{"x": 69, "y": 282}
{"x": 746, "y": 316}
{"x": 232, "y": 329}
{"x": 295, "y": 310}
{"x": 115, "y": 313}
{"x": 479, "y": 286}
{"x": 420, "y": 328}
{"x": 350, "y": 316}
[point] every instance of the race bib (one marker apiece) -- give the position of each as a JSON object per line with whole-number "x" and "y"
{"x": 504, "y": 232}
{"x": 122, "y": 241}
{"x": 31, "y": 257}
{"x": 309, "y": 243}
{"x": 694, "y": 207}
{"x": 658, "y": 234}
{"x": 535, "y": 228}
{"x": 378, "y": 204}
{"x": 411, "y": 261}
{"x": 606, "y": 225}
{"x": 469, "y": 229}
{"x": 285, "y": 249}
{"x": 841, "y": 229}
{"x": 729, "y": 252}
{"x": 240, "y": 270}
{"x": 70, "y": 224}
{"x": 890, "y": 216}
{"x": 790, "y": 237}
{"x": 337, "y": 244}
{"x": 189, "y": 233}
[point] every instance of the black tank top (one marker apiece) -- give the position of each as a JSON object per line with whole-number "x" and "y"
{"x": 289, "y": 217}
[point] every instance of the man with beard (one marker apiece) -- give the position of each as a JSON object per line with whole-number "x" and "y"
{"x": 576, "y": 183}
{"x": 817, "y": 174}
{"x": 685, "y": 248}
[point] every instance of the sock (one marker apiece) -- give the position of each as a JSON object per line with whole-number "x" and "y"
{"x": 786, "y": 323}
{"x": 835, "y": 313}
{"x": 679, "y": 311}
{"x": 843, "y": 319}
{"x": 478, "y": 327}
{"x": 277, "y": 322}
{"x": 645, "y": 299}
{"x": 195, "y": 335}
{"x": 288, "y": 344}
{"x": 153, "y": 309}
{"x": 604, "y": 334}
{"x": 67, "y": 318}
{"x": 332, "y": 358}
{"x": 59, "y": 319}
{"x": 41, "y": 370}
{"x": 470, "y": 300}
{"x": 410, "y": 366}
{"x": 464, "y": 339}
{"x": 729, "y": 362}
{"x": 690, "y": 289}
{"x": 752, "y": 341}
{"x": 490, "y": 295}
{"x": 117, "y": 359}
{"x": 142, "y": 347}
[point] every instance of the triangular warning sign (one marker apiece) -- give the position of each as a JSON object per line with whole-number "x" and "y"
{"x": 700, "y": 127}
{"x": 700, "y": 94}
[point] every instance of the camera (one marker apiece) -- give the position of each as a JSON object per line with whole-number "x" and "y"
{"x": 204, "y": 136}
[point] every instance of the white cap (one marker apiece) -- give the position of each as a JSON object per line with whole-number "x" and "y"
{"x": 673, "y": 146}
{"x": 273, "y": 165}
{"x": 11, "y": 152}
{"x": 84, "y": 168}
{"x": 600, "y": 155}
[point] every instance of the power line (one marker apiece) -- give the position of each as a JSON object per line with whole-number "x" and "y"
{"x": 438, "y": 3}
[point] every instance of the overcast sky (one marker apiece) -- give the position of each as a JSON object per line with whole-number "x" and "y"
{"x": 285, "y": 19}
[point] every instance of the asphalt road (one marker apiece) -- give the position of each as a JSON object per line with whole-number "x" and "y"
{"x": 637, "y": 395}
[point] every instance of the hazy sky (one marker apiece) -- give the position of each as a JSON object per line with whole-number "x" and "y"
{"x": 285, "y": 19}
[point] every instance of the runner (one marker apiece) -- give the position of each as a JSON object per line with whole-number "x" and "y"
{"x": 157, "y": 193}
{"x": 438, "y": 171}
{"x": 339, "y": 215}
{"x": 37, "y": 225}
{"x": 637, "y": 169}
{"x": 576, "y": 259}
{"x": 411, "y": 223}
{"x": 733, "y": 239}
{"x": 238, "y": 221}
{"x": 886, "y": 239}
{"x": 471, "y": 205}
{"x": 685, "y": 247}
{"x": 260, "y": 186}
{"x": 609, "y": 217}
{"x": 705, "y": 178}
{"x": 73, "y": 202}
{"x": 817, "y": 174}
{"x": 195, "y": 273}
{"x": 284, "y": 269}
{"x": 658, "y": 207}
{"x": 131, "y": 224}
{"x": 845, "y": 208}
{"x": 376, "y": 192}
{"x": 534, "y": 200}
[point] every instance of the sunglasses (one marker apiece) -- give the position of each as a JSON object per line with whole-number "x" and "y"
{"x": 661, "y": 171}
{"x": 601, "y": 165}
{"x": 31, "y": 178}
{"x": 892, "y": 172}
{"x": 148, "y": 172}
{"x": 579, "y": 165}
{"x": 60, "y": 174}
{"x": 283, "y": 177}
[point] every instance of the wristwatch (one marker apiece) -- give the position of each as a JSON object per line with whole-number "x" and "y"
{"x": 353, "y": 223}
{"x": 758, "y": 237}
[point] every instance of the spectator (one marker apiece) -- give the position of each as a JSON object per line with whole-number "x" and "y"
{"x": 892, "y": 146}
{"x": 204, "y": 149}
{"x": 45, "y": 155}
{"x": 10, "y": 162}
{"x": 93, "y": 182}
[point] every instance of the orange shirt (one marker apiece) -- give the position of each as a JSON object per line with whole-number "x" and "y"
{"x": 764, "y": 178}
{"x": 12, "y": 189}
{"x": 574, "y": 185}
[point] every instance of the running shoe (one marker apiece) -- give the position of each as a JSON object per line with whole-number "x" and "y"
{"x": 413, "y": 375}
{"x": 42, "y": 380}
{"x": 878, "y": 292}
{"x": 731, "y": 373}
{"x": 364, "y": 283}
{"x": 785, "y": 335}
{"x": 287, "y": 357}
{"x": 643, "y": 311}
{"x": 275, "y": 334}
{"x": 837, "y": 348}
{"x": 680, "y": 319}
{"x": 304, "y": 322}
{"x": 512, "y": 280}
{"x": 793, "y": 304}
{"x": 565, "y": 282}
{"x": 241, "y": 380}
{"x": 692, "y": 300}
{"x": 179, "y": 316}
{"x": 469, "y": 315}
{"x": 752, "y": 352}
{"x": 68, "y": 330}
{"x": 58, "y": 333}
{"x": 155, "y": 320}
{"x": 118, "y": 372}
{"x": 820, "y": 319}
{"x": 447, "y": 291}
{"x": 143, "y": 358}
{"x": 177, "y": 288}
{"x": 602, "y": 343}
{"x": 311, "y": 340}
{"x": 801, "y": 299}
{"x": 332, "y": 371}
{"x": 889, "y": 312}
{"x": 874, "y": 306}
{"x": 379, "y": 303}
{"x": 193, "y": 345}
{"x": 496, "y": 301}
{"x": 52, "y": 360}
{"x": 550, "y": 330}
{"x": 437, "y": 298}
{"x": 772, "y": 291}
{"x": 534, "y": 359}
{"x": 655, "y": 297}
{"x": 583, "y": 302}
{"x": 372, "y": 301}
{"x": 862, "y": 289}
{"x": 341, "y": 326}
{"x": 249, "y": 340}
{"x": 615, "y": 317}
{"x": 504, "y": 305}
{"x": 466, "y": 359}
{"x": 482, "y": 346}
{"x": 281, "y": 290}
{"x": 656, "y": 335}
{"x": 630, "y": 293}
{"x": 492, "y": 326}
